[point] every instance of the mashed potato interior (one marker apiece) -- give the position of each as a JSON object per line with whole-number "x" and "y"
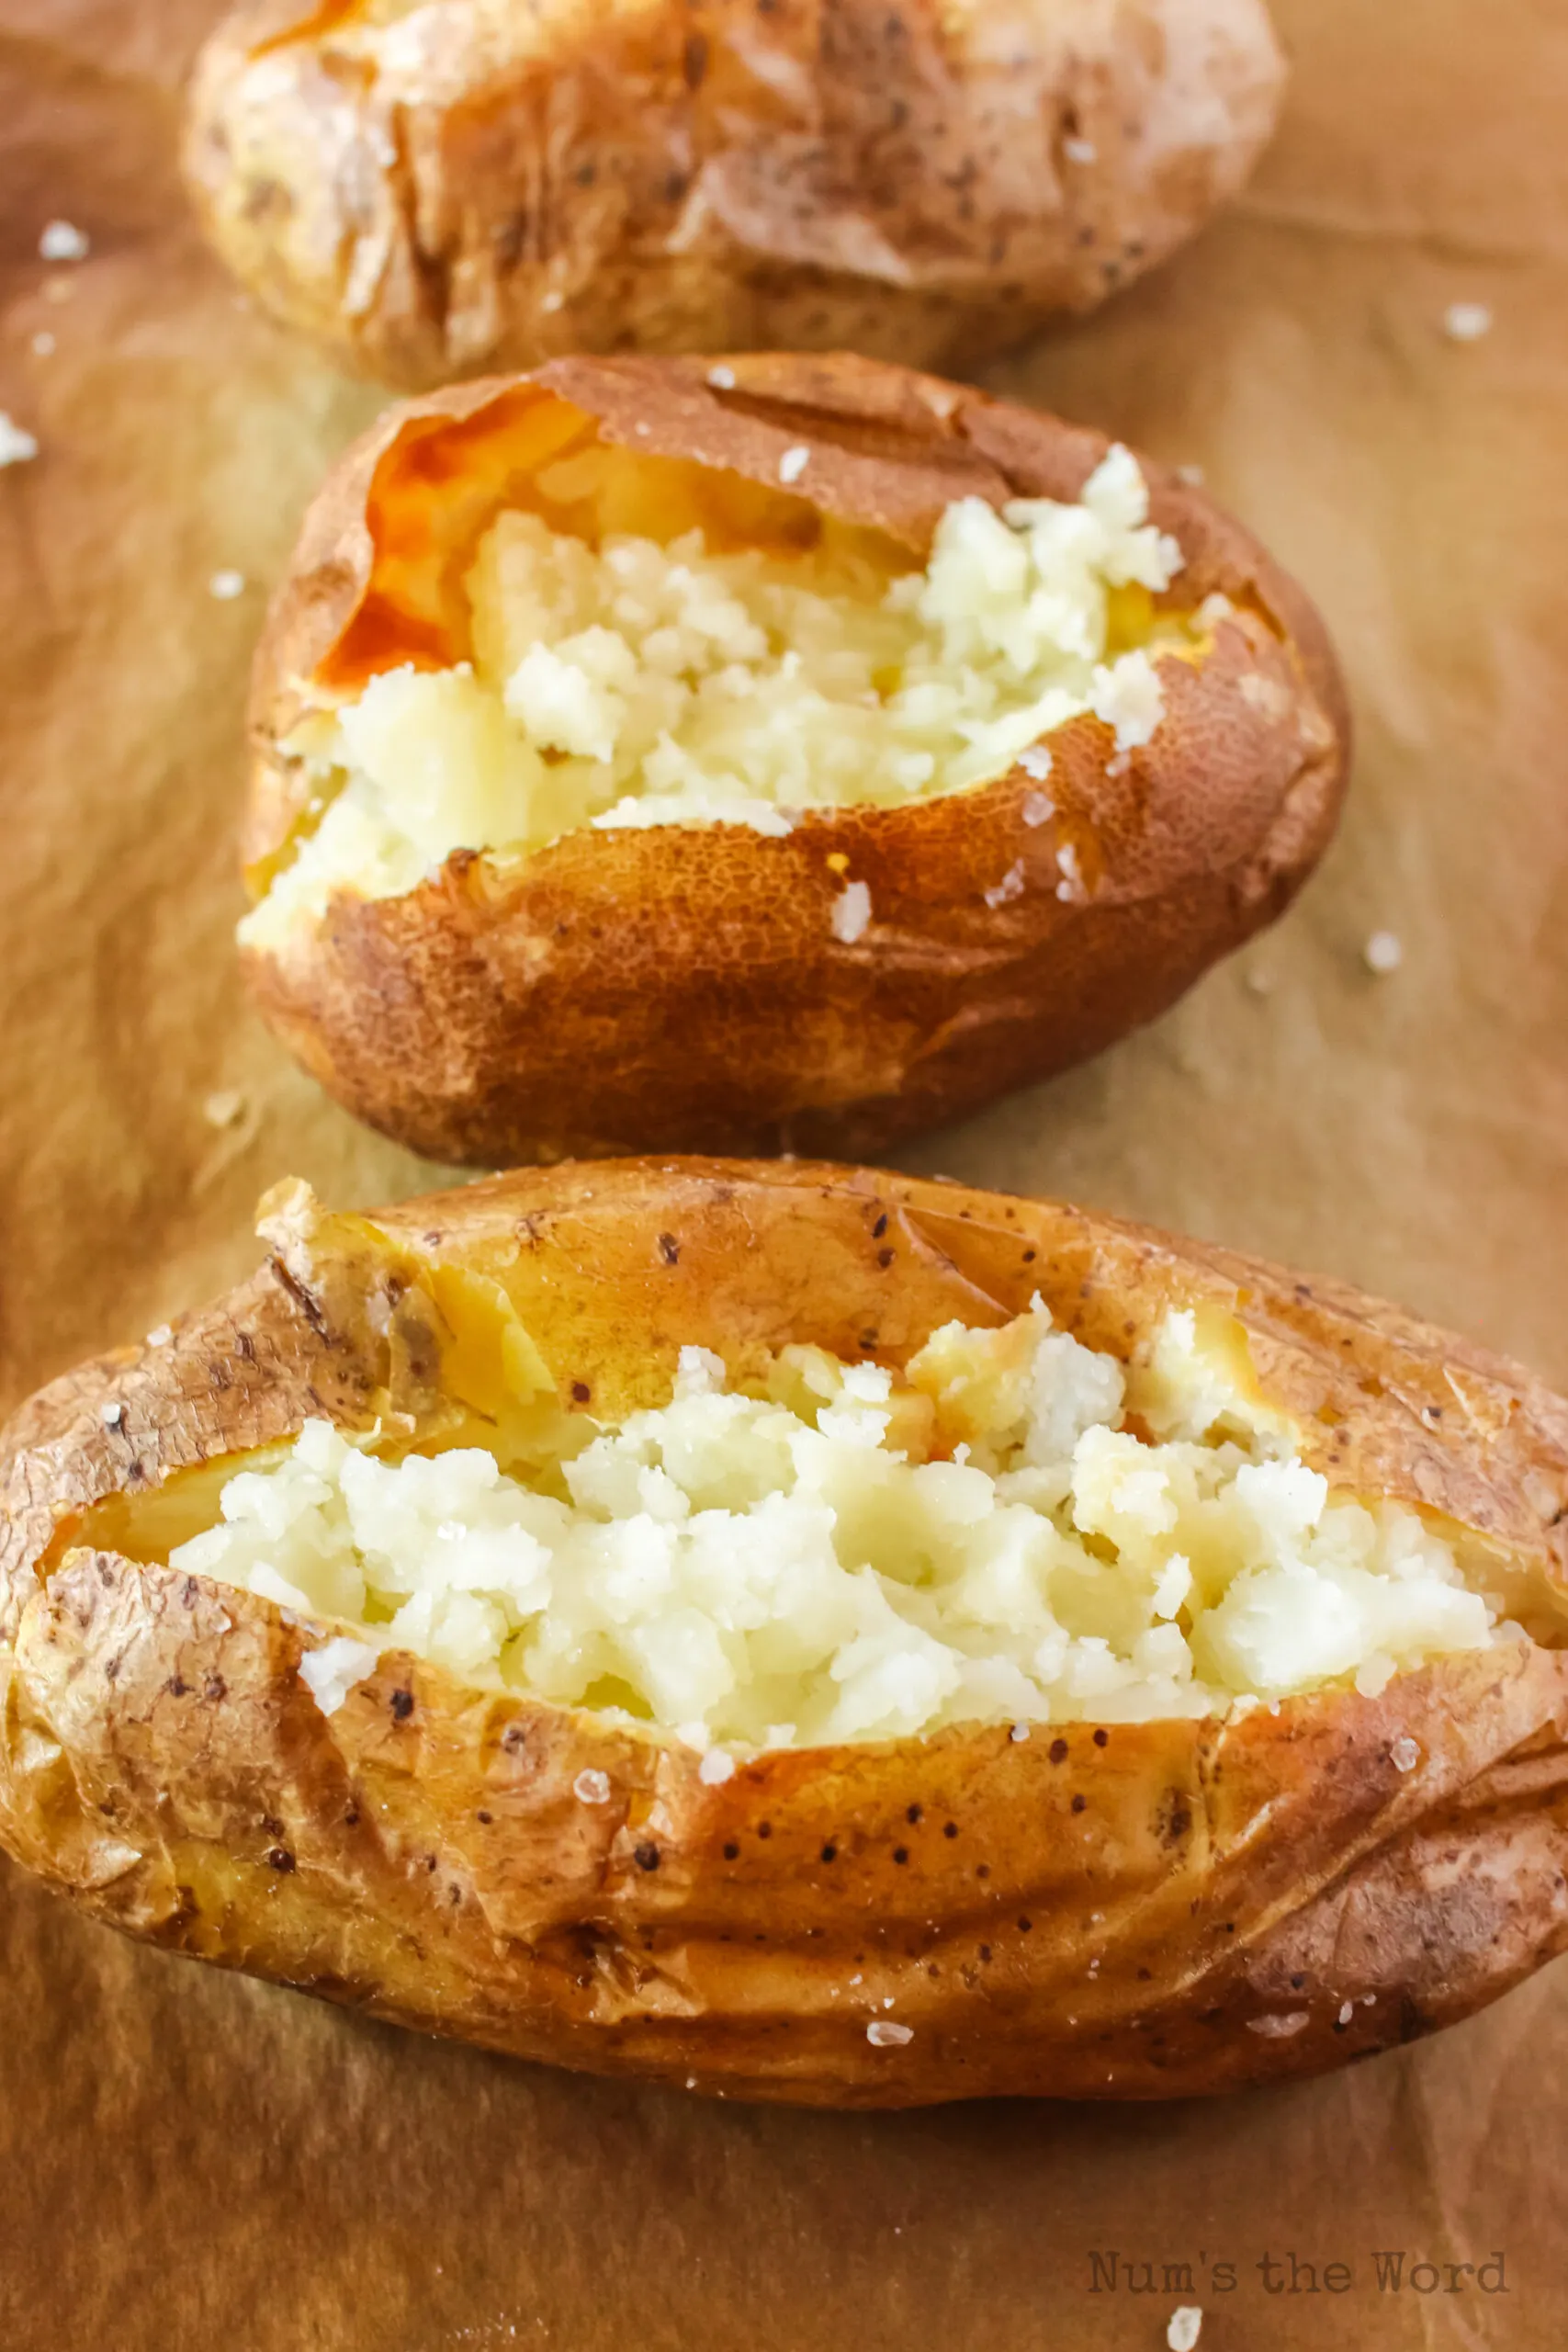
{"x": 1018, "y": 1529}
{"x": 631, "y": 681}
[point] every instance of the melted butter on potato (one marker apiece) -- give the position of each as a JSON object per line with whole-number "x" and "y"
{"x": 632, "y": 667}
{"x": 1018, "y": 1527}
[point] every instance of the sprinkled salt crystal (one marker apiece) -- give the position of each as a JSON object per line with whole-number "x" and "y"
{"x": 1467, "y": 322}
{"x": 1346, "y": 2011}
{"x": 857, "y": 1980}
{"x": 722, "y": 378}
{"x": 1405, "y": 1755}
{"x": 161, "y": 1337}
{"x": 1038, "y": 808}
{"x": 851, "y": 913}
{"x": 1382, "y": 953}
{"x": 1019, "y": 1733}
{"x": 43, "y": 343}
{"x": 1193, "y": 474}
{"x": 16, "y": 447}
{"x": 793, "y": 462}
{"x": 226, "y": 585}
{"x": 887, "y": 2004}
{"x": 221, "y": 1110}
{"x": 717, "y": 1767}
{"x": 1010, "y": 887}
{"x": 1258, "y": 983}
{"x": 1184, "y": 2327}
{"x": 62, "y": 241}
{"x": 111, "y": 1416}
{"x": 1368, "y": 2000}
{"x": 554, "y": 301}
{"x": 331, "y": 1671}
{"x": 882, "y": 2034}
{"x": 1036, "y": 761}
{"x": 1071, "y": 883}
{"x": 690, "y": 2082}
{"x": 1080, "y": 150}
{"x": 592, "y": 1788}
{"x": 1277, "y": 2027}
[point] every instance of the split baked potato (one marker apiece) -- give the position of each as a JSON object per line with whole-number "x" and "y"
{"x": 436, "y": 188}
{"x": 1016, "y": 1652}
{"x": 766, "y": 754}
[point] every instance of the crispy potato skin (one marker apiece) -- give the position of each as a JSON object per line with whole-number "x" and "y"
{"x": 421, "y": 1853}
{"x": 681, "y": 988}
{"x": 487, "y": 186}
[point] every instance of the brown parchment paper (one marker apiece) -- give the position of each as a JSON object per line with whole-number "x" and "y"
{"x": 191, "y": 2161}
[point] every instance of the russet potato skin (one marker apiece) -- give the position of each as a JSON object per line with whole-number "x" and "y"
{"x": 681, "y": 986}
{"x": 487, "y": 186}
{"x": 1129, "y": 1911}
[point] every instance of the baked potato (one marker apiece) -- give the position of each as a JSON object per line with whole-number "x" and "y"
{"x": 803, "y": 1633}
{"x": 443, "y": 188}
{"x": 778, "y": 753}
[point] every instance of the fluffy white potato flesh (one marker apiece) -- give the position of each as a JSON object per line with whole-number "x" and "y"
{"x": 1016, "y": 1529}
{"x": 633, "y": 681}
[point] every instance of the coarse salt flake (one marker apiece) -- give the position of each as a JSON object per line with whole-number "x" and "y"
{"x": 1010, "y": 887}
{"x": 1036, "y": 761}
{"x": 1346, "y": 2011}
{"x": 160, "y": 1335}
{"x": 222, "y": 1109}
{"x": 1184, "y": 2327}
{"x": 1277, "y": 2028}
{"x": 226, "y": 585}
{"x": 1038, "y": 808}
{"x": 717, "y": 1767}
{"x": 1384, "y": 952}
{"x": 793, "y": 462}
{"x": 1080, "y": 150}
{"x": 1467, "y": 322}
{"x": 1019, "y": 1733}
{"x": 884, "y": 2033}
{"x": 722, "y": 378}
{"x": 62, "y": 241}
{"x": 592, "y": 1788}
{"x": 1405, "y": 1755}
{"x": 851, "y": 913}
{"x": 17, "y": 446}
{"x": 1071, "y": 883}
{"x": 112, "y": 1415}
{"x": 554, "y": 301}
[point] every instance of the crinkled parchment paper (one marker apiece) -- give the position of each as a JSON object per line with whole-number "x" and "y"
{"x": 190, "y": 2161}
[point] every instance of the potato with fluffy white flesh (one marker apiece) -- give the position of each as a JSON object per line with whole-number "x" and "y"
{"x": 839, "y": 1558}
{"x": 665, "y": 1617}
{"x": 649, "y": 760}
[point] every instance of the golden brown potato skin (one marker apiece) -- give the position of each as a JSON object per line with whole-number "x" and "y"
{"x": 681, "y": 988}
{"x": 1257, "y": 1899}
{"x": 493, "y": 185}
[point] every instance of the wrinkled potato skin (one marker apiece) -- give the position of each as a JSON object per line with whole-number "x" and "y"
{"x": 681, "y": 987}
{"x": 479, "y": 188}
{"x": 421, "y": 1853}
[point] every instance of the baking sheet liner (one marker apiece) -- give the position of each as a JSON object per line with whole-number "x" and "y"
{"x": 193, "y": 2161}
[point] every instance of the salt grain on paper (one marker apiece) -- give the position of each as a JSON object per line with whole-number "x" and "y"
{"x": 62, "y": 241}
{"x": 884, "y": 2034}
{"x": 1466, "y": 321}
{"x": 592, "y": 1788}
{"x": 793, "y": 462}
{"x": 1185, "y": 2326}
{"x": 226, "y": 585}
{"x": 1382, "y": 953}
{"x": 717, "y": 1767}
{"x": 1405, "y": 1755}
{"x": 851, "y": 913}
{"x": 16, "y": 447}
